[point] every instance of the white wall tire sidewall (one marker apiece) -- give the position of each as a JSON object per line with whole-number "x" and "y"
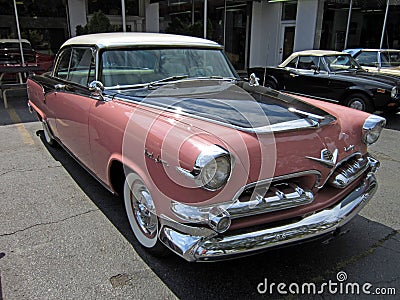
{"x": 140, "y": 236}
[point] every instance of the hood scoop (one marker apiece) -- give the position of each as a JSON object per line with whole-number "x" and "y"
{"x": 230, "y": 104}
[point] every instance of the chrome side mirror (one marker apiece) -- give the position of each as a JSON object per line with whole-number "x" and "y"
{"x": 253, "y": 80}
{"x": 96, "y": 88}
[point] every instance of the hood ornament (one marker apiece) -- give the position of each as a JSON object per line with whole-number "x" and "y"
{"x": 328, "y": 158}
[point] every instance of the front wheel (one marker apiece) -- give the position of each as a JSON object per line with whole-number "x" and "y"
{"x": 360, "y": 102}
{"x": 270, "y": 83}
{"x": 141, "y": 213}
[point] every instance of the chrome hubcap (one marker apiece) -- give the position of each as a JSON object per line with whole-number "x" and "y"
{"x": 357, "y": 104}
{"x": 143, "y": 209}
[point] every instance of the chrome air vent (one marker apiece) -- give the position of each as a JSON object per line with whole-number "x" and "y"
{"x": 281, "y": 192}
{"x": 270, "y": 197}
{"x": 351, "y": 169}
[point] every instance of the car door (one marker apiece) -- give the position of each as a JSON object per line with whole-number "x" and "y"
{"x": 309, "y": 77}
{"x": 70, "y": 101}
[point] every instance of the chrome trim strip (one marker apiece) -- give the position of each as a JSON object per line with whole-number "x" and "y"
{"x": 310, "y": 96}
{"x": 268, "y": 196}
{"x": 212, "y": 247}
{"x": 278, "y": 178}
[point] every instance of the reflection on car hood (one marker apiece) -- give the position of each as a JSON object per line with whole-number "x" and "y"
{"x": 226, "y": 102}
{"x": 364, "y": 75}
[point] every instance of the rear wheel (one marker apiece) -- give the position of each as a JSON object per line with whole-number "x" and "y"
{"x": 360, "y": 102}
{"x": 141, "y": 213}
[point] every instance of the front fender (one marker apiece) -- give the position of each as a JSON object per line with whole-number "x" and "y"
{"x": 359, "y": 89}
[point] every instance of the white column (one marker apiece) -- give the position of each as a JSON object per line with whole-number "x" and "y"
{"x": 264, "y": 41}
{"x": 306, "y": 21}
{"x": 152, "y": 17}
{"x": 77, "y": 14}
{"x": 123, "y": 15}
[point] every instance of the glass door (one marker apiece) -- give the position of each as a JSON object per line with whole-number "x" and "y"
{"x": 287, "y": 41}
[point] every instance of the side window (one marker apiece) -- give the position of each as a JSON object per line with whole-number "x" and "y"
{"x": 305, "y": 62}
{"x": 63, "y": 65}
{"x": 292, "y": 63}
{"x": 368, "y": 59}
{"x": 82, "y": 63}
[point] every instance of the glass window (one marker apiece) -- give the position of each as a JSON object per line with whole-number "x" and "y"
{"x": 390, "y": 58}
{"x": 113, "y": 7}
{"x": 140, "y": 66}
{"x": 227, "y": 24}
{"x": 365, "y": 26}
{"x": 289, "y": 10}
{"x": 308, "y": 62}
{"x": 63, "y": 64}
{"x": 341, "y": 62}
{"x": 368, "y": 59}
{"x": 292, "y": 63}
{"x": 82, "y": 61}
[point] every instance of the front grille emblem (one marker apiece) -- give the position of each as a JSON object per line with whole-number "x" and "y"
{"x": 327, "y": 157}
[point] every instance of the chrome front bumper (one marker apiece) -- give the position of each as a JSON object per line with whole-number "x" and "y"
{"x": 204, "y": 244}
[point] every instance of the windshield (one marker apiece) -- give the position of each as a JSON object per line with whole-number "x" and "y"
{"x": 390, "y": 58}
{"x": 127, "y": 67}
{"x": 341, "y": 63}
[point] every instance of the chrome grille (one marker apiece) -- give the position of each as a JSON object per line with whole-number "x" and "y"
{"x": 348, "y": 171}
{"x": 269, "y": 197}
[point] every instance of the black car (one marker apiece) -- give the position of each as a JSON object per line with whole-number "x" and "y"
{"x": 10, "y": 53}
{"x": 332, "y": 76}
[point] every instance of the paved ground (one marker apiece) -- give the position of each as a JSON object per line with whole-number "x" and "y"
{"x": 62, "y": 235}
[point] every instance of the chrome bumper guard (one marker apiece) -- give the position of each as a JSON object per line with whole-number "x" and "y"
{"x": 204, "y": 244}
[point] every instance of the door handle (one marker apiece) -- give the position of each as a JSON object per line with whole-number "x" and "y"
{"x": 293, "y": 75}
{"x": 59, "y": 87}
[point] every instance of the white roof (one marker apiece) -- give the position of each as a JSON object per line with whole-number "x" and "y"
{"x": 379, "y": 50}
{"x": 318, "y": 52}
{"x": 13, "y": 41}
{"x": 115, "y": 39}
{"x": 312, "y": 53}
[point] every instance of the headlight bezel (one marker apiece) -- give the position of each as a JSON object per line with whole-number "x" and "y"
{"x": 207, "y": 158}
{"x": 372, "y": 129}
{"x": 394, "y": 92}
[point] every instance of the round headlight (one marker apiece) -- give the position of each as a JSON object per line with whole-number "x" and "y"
{"x": 216, "y": 172}
{"x": 394, "y": 92}
{"x": 372, "y": 128}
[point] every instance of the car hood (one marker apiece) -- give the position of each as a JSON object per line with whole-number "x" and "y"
{"x": 189, "y": 115}
{"x": 370, "y": 77}
{"x": 237, "y": 105}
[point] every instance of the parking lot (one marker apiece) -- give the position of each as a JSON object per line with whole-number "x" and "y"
{"x": 63, "y": 235}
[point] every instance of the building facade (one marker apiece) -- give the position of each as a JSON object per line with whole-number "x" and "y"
{"x": 253, "y": 33}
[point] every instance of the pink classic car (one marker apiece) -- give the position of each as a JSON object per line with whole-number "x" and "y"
{"x": 208, "y": 165}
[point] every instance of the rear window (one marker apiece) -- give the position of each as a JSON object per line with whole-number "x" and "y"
{"x": 14, "y": 45}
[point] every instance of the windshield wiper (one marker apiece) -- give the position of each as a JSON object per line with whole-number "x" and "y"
{"x": 217, "y": 77}
{"x": 167, "y": 79}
